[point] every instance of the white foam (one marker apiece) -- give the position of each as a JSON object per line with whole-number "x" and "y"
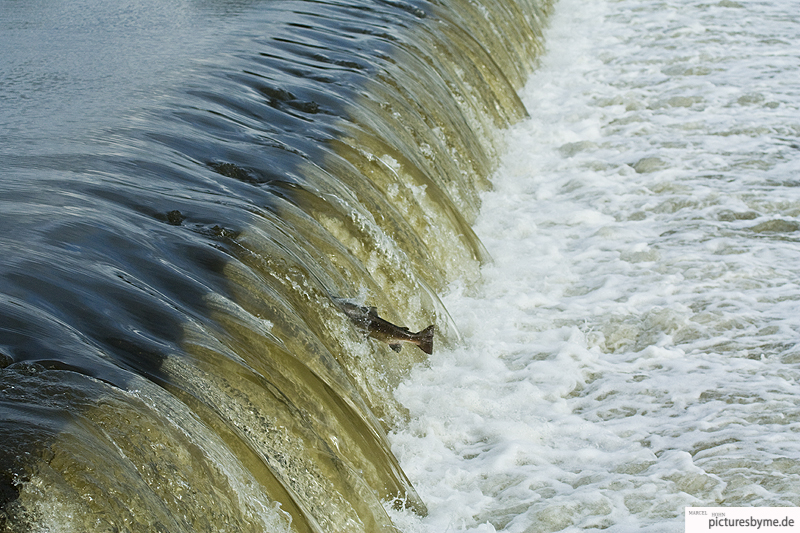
{"x": 633, "y": 349}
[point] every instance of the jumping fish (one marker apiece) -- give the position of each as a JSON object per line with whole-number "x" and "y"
{"x": 367, "y": 320}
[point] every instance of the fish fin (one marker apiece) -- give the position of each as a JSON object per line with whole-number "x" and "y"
{"x": 426, "y": 339}
{"x": 396, "y": 347}
{"x": 372, "y": 311}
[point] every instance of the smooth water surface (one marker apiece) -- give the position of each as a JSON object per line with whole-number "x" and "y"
{"x": 187, "y": 193}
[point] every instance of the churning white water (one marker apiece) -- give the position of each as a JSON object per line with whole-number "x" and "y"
{"x": 633, "y": 349}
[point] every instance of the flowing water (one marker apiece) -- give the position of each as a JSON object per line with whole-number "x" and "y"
{"x": 186, "y": 190}
{"x": 634, "y": 347}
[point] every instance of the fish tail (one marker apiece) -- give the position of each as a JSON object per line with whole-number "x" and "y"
{"x": 425, "y": 339}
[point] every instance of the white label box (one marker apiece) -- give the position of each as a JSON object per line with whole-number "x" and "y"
{"x": 742, "y": 519}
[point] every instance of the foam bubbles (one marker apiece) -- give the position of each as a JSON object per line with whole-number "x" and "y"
{"x": 633, "y": 347}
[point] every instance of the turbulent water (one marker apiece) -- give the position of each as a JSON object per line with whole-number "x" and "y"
{"x": 634, "y": 347}
{"x": 188, "y": 190}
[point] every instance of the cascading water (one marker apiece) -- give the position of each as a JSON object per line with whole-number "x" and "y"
{"x": 633, "y": 348}
{"x": 179, "y": 218}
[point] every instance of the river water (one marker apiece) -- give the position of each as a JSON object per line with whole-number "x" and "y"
{"x": 188, "y": 192}
{"x": 634, "y": 347}
{"x": 611, "y": 263}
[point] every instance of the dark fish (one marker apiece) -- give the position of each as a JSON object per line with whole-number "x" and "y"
{"x": 367, "y": 320}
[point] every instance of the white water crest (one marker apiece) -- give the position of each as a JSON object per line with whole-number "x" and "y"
{"x": 633, "y": 349}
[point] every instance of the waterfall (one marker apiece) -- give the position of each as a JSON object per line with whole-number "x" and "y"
{"x": 173, "y": 355}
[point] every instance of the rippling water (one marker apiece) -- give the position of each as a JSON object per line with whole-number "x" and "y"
{"x": 633, "y": 349}
{"x": 185, "y": 191}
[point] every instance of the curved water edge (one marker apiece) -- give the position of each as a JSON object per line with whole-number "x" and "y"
{"x": 173, "y": 356}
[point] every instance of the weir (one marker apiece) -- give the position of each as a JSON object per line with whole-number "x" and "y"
{"x": 173, "y": 356}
